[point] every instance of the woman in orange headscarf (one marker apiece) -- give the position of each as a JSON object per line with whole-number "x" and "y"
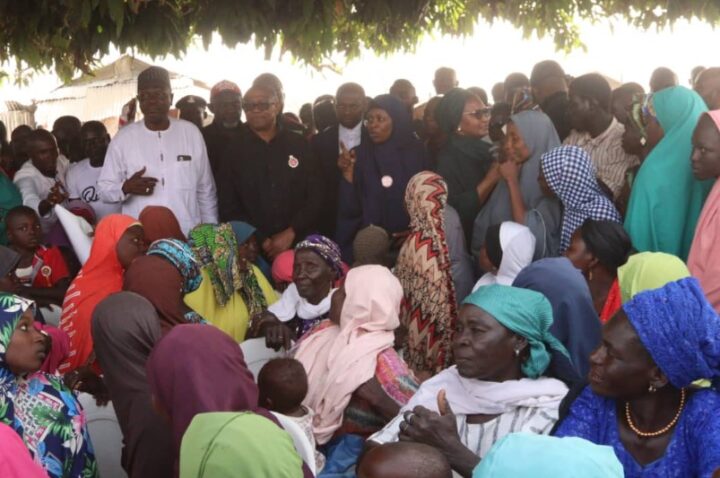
{"x": 118, "y": 240}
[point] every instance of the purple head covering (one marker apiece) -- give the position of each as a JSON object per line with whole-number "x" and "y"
{"x": 325, "y": 248}
{"x": 680, "y": 329}
{"x": 198, "y": 369}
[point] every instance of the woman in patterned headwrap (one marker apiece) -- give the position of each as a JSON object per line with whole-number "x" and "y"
{"x": 164, "y": 276}
{"x": 568, "y": 173}
{"x": 38, "y": 406}
{"x": 317, "y": 267}
{"x": 429, "y": 308}
{"x": 233, "y": 290}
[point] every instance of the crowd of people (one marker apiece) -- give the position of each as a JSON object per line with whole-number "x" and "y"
{"x": 445, "y": 287}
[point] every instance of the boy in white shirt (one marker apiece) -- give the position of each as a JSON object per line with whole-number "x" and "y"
{"x": 82, "y": 177}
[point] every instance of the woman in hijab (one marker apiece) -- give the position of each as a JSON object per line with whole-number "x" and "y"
{"x": 220, "y": 444}
{"x": 164, "y": 276}
{"x": 576, "y": 323}
{"x": 508, "y": 249}
{"x": 533, "y": 132}
{"x": 640, "y": 400}
{"x": 197, "y": 369}
{"x": 499, "y": 384}
{"x": 598, "y": 249}
{"x": 125, "y": 329}
{"x": 233, "y": 289}
{"x": 648, "y": 271}
{"x": 567, "y": 172}
{"x": 282, "y": 270}
{"x": 118, "y": 241}
{"x": 429, "y": 307}
{"x": 159, "y": 222}
{"x": 317, "y": 266}
{"x": 357, "y": 382}
{"x": 38, "y": 406}
{"x": 666, "y": 199}
{"x": 465, "y": 161}
{"x": 376, "y": 174}
{"x": 704, "y": 259}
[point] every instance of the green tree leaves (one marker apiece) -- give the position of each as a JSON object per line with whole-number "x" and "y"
{"x": 70, "y": 35}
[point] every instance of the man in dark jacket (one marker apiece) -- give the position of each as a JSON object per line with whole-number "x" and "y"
{"x": 350, "y": 107}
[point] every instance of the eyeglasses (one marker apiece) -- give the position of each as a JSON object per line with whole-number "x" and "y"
{"x": 481, "y": 113}
{"x": 260, "y": 106}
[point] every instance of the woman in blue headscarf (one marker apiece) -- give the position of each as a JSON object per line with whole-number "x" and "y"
{"x": 666, "y": 200}
{"x": 640, "y": 400}
{"x": 377, "y": 172}
{"x": 38, "y": 406}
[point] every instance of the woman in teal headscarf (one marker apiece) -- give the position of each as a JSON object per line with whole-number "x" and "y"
{"x": 666, "y": 199}
{"x": 9, "y": 198}
{"x": 504, "y": 356}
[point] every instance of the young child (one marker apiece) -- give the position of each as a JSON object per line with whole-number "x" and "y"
{"x": 42, "y": 270}
{"x": 283, "y": 386}
{"x": 404, "y": 460}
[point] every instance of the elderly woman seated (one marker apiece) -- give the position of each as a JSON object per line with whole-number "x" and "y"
{"x": 504, "y": 354}
{"x": 305, "y": 302}
{"x": 640, "y": 400}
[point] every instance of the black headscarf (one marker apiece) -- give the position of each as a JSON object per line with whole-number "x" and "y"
{"x": 448, "y": 113}
{"x": 608, "y": 241}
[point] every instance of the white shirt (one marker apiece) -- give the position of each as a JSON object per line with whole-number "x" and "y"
{"x": 291, "y": 305}
{"x": 34, "y": 187}
{"x": 81, "y": 181}
{"x": 349, "y": 137}
{"x": 176, "y": 157}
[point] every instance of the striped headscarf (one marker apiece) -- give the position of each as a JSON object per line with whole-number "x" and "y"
{"x": 429, "y": 308}
{"x": 570, "y": 174}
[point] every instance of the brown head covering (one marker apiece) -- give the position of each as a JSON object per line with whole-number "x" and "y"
{"x": 125, "y": 329}
{"x": 160, "y": 282}
{"x": 159, "y": 222}
{"x": 198, "y": 369}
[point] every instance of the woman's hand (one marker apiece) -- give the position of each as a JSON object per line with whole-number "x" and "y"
{"x": 509, "y": 170}
{"x": 439, "y": 430}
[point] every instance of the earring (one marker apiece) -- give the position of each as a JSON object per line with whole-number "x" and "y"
{"x": 590, "y": 276}
{"x": 517, "y": 352}
{"x": 652, "y": 389}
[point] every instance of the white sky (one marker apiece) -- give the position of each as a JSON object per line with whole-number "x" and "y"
{"x": 616, "y": 50}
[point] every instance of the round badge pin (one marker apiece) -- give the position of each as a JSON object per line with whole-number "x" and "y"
{"x": 293, "y": 162}
{"x": 386, "y": 181}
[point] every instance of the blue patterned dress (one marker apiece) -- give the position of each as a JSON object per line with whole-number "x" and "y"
{"x": 39, "y": 407}
{"x": 693, "y": 451}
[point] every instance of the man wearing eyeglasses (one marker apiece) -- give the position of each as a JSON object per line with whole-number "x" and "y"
{"x": 159, "y": 161}
{"x": 336, "y": 144}
{"x": 270, "y": 177}
{"x": 226, "y": 106}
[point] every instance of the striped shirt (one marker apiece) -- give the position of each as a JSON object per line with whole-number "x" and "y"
{"x": 479, "y": 438}
{"x": 610, "y": 160}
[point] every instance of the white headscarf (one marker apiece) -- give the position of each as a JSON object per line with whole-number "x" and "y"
{"x": 518, "y": 247}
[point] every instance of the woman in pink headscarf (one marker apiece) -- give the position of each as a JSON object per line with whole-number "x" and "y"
{"x": 357, "y": 382}
{"x": 704, "y": 259}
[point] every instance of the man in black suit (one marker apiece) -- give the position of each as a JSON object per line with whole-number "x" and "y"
{"x": 350, "y": 106}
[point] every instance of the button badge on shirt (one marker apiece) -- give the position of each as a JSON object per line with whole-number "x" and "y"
{"x": 386, "y": 181}
{"x": 293, "y": 162}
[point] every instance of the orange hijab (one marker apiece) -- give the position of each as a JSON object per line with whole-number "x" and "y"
{"x": 101, "y": 276}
